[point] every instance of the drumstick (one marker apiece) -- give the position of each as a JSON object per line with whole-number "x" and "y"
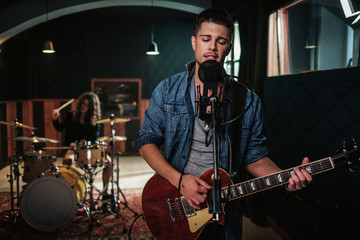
{"x": 65, "y": 104}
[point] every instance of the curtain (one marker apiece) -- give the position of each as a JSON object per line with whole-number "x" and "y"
{"x": 253, "y": 25}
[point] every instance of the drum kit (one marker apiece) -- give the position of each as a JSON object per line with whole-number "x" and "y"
{"x": 53, "y": 195}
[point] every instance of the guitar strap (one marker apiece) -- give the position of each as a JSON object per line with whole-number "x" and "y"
{"x": 237, "y": 107}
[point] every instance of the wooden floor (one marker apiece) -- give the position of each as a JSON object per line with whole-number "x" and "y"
{"x": 133, "y": 174}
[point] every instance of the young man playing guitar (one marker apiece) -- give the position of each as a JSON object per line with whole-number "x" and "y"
{"x": 172, "y": 119}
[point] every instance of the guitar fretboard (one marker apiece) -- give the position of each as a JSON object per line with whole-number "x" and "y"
{"x": 270, "y": 181}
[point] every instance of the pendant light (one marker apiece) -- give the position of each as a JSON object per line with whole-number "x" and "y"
{"x": 311, "y": 38}
{"x": 48, "y": 46}
{"x": 152, "y": 48}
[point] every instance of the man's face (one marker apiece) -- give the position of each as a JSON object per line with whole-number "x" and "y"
{"x": 212, "y": 42}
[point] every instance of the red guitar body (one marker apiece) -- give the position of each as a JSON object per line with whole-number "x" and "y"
{"x": 158, "y": 195}
{"x": 169, "y": 216}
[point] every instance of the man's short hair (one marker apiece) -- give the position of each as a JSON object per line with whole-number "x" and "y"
{"x": 215, "y": 15}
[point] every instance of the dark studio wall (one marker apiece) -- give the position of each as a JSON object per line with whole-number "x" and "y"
{"x": 94, "y": 46}
{"x": 129, "y": 39}
{"x": 311, "y": 114}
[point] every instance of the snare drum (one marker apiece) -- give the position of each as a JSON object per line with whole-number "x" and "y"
{"x": 51, "y": 201}
{"x": 36, "y": 162}
{"x": 91, "y": 154}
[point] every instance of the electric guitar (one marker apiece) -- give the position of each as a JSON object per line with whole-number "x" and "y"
{"x": 169, "y": 216}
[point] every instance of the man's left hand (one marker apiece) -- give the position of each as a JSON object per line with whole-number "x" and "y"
{"x": 300, "y": 178}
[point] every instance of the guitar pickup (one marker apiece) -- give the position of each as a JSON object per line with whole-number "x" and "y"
{"x": 189, "y": 211}
{"x": 171, "y": 211}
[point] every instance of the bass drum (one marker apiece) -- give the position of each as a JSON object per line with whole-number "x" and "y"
{"x": 72, "y": 177}
{"x": 51, "y": 201}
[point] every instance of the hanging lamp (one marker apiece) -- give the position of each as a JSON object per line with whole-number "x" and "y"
{"x": 311, "y": 38}
{"x": 152, "y": 48}
{"x": 48, "y": 46}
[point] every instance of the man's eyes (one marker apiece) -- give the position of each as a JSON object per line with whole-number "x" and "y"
{"x": 221, "y": 41}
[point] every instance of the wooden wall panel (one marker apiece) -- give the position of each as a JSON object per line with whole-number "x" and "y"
{"x": 3, "y": 136}
{"x": 144, "y": 104}
{"x": 50, "y": 131}
{"x": 119, "y": 131}
{"x": 27, "y": 113}
{"x": 11, "y": 114}
{"x": 28, "y": 119}
{"x": 45, "y": 107}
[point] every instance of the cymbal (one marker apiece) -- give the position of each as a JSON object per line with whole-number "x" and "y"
{"x": 34, "y": 139}
{"x": 56, "y": 147}
{"x": 39, "y": 153}
{"x": 17, "y": 124}
{"x": 114, "y": 120}
{"x": 109, "y": 139}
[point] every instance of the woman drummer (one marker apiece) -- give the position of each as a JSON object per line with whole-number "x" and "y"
{"x": 80, "y": 125}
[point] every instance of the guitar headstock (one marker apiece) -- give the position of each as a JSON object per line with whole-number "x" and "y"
{"x": 348, "y": 156}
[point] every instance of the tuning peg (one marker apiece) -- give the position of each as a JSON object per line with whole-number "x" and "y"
{"x": 351, "y": 166}
{"x": 343, "y": 146}
{"x": 355, "y": 143}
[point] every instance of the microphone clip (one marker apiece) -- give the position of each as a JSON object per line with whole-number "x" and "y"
{"x": 205, "y": 105}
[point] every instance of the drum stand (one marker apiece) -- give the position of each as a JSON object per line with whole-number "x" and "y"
{"x": 91, "y": 207}
{"x": 13, "y": 213}
{"x": 114, "y": 207}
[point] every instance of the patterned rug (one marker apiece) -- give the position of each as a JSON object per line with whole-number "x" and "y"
{"x": 104, "y": 225}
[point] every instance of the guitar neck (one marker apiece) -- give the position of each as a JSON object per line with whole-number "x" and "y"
{"x": 277, "y": 179}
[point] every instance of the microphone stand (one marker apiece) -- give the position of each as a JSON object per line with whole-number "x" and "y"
{"x": 216, "y": 201}
{"x": 211, "y": 123}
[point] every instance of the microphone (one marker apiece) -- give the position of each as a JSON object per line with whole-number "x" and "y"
{"x": 210, "y": 73}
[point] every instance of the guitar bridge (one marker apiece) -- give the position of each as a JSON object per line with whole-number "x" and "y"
{"x": 178, "y": 207}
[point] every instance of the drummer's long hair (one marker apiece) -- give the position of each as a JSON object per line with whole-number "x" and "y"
{"x": 94, "y": 111}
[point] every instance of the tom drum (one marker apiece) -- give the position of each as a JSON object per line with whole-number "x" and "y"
{"x": 36, "y": 162}
{"x": 91, "y": 154}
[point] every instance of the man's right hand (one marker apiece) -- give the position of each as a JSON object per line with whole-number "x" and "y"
{"x": 194, "y": 189}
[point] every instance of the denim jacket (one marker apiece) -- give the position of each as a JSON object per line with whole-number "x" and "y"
{"x": 169, "y": 121}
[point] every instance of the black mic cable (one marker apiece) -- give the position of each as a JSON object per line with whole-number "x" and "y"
{"x": 244, "y": 110}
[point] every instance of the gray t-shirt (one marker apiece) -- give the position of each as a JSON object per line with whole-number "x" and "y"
{"x": 201, "y": 157}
